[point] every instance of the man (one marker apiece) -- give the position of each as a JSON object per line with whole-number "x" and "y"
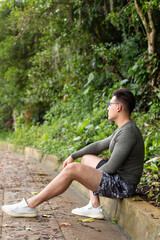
{"x": 115, "y": 178}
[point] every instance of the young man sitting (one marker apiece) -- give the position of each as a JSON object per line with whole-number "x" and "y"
{"x": 116, "y": 178}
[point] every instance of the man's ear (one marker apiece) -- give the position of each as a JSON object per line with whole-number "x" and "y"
{"x": 119, "y": 107}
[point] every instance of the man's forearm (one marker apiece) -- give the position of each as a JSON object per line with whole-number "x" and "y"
{"x": 93, "y": 148}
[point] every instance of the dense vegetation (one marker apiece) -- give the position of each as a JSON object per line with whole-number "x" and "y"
{"x": 60, "y": 61}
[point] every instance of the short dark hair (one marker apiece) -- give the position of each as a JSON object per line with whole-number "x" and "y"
{"x": 126, "y": 97}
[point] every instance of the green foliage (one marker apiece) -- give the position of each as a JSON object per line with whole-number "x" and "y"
{"x": 64, "y": 123}
{"x": 67, "y": 121}
{"x": 50, "y": 50}
{"x": 149, "y": 124}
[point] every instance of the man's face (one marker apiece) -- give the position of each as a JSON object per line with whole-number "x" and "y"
{"x": 112, "y": 109}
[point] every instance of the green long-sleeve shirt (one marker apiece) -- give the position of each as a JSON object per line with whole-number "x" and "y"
{"x": 126, "y": 146}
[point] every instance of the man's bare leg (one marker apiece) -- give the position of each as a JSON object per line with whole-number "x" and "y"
{"x": 89, "y": 176}
{"x": 86, "y": 175}
{"x": 92, "y": 209}
{"x": 92, "y": 161}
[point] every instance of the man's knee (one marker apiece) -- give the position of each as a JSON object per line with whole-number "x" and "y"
{"x": 71, "y": 168}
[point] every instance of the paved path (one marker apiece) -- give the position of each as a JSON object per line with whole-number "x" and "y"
{"x": 22, "y": 177}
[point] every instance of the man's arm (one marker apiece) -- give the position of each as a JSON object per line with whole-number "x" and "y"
{"x": 93, "y": 148}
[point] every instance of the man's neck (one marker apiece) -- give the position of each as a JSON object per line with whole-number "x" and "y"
{"x": 120, "y": 122}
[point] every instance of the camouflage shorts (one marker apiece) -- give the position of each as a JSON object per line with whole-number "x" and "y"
{"x": 113, "y": 186}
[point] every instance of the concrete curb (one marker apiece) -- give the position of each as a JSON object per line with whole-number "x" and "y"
{"x": 137, "y": 217}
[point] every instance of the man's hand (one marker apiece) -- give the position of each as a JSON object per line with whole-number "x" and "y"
{"x": 67, "y": 161}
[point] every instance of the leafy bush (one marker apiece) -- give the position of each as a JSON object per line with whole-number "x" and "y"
{"x": 69, "y": 126}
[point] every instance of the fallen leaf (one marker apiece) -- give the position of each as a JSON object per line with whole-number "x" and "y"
{"x": 5, "y": 225}
{"x": 42, "y": 174}
{"x": 62, "y": 201}
{"x": 47, "y": 202}
{"x": 28, "y": 229}
{"x": 137, "y": 199}
{"x": 46, "y": 215}
{"x": 34, "y": 193}
{"x": 65, "y": 224}
{"x": 56, "y": 208}
{"x": 151, "y": 202}
{"x": 86, "y": 220}
{"x": 153, "y": 216}
{"x": 98, "y": 230}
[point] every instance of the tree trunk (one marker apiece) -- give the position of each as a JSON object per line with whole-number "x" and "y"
{"x": 105, "y": 9}
{"x": 15, "y": 119}
{"x": 70, "y": 12}
{"x": 151, "y": 35}
{"x": 149, "y": 27}
{"x": 111, "y": 5}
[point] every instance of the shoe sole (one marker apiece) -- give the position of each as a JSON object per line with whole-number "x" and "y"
{"x": 21, "y": 215}
{"x": 91, "y": 216}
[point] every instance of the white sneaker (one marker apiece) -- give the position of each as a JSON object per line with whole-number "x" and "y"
{"x": 20, "y": 209}
{"x": 90, "y": 211}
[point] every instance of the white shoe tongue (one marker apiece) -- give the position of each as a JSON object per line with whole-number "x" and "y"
{"x": 23, "y": 203}
{"x": 89, "y": 204}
